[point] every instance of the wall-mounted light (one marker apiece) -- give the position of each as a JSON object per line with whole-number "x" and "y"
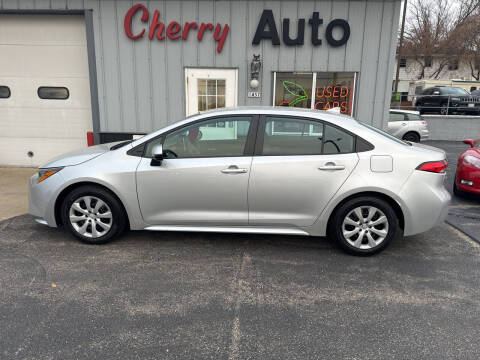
{"x": 255, "y": 66}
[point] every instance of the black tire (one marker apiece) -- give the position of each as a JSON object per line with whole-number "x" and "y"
{"x": 118, "y": 217}
{"x": 411, "y": 136}
{"x": 335, "y": 225}
{"x": 444, "y": 110}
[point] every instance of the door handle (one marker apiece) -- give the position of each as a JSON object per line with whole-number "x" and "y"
{"x": 331, "y": 166}
{"x": 404, "y": 124}
{"x": 233, "y": 169}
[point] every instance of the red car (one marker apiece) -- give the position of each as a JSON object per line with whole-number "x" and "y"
{"x": 467, "y": 178}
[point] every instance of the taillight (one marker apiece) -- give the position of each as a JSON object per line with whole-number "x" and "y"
{"x": 433, "y": 166}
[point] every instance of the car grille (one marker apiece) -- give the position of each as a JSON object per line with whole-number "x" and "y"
{"x": 470, "y": 99}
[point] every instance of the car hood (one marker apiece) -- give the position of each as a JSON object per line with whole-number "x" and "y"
{"x": 78, "y": 156}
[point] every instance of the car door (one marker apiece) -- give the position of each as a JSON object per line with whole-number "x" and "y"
{"x": 299, "y": 165}
{"x": 203, "y": 178}
{"x": 427, "y": 98}
{"x": 397, "y": 124}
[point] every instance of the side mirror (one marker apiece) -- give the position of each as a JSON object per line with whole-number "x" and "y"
{"x": 157, "y": 155}
{"x": 469, "y": 142}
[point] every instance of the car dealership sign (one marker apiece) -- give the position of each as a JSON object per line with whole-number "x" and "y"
{"x": 266, "y": 29}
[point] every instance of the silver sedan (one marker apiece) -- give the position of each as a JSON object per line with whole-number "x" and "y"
{"x": 249, "y": 170}
{"x": 407, "y": 125}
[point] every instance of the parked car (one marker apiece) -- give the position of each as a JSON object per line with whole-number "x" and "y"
{"x": 467, "y": 177}
{"x": 249, "y": 170}
{"x": 407, "y": 125}
{"x": 446, "y": 100}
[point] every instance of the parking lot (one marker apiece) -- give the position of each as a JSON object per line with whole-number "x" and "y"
{"x": 222, "y": 296}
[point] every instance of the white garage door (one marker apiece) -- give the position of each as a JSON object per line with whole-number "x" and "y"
{"x": 44, "y": 87}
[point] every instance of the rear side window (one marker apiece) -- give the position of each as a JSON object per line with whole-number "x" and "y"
{"x": 396, "y": 117}
{"x": 414, "y": 117}
{"x": 53, "y": 93}
{"x": 4, "y": 92}
{"x": 288, "y": 136}
{"x": 337, "y": 141}
{"x": 292, "y": 136}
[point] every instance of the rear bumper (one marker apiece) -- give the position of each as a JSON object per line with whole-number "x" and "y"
{"x": 424, "y": 134}
{"x": 426, "y": 202}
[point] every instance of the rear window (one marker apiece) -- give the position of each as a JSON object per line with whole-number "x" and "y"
{"x": 383, "y": 133}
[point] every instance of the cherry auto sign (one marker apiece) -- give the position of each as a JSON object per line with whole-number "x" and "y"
{"x": 266, "y": 29}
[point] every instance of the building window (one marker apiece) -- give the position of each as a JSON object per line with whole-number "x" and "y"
{"x": 4, "y": 92}
{"x": 53, "y": 93}
{"x": 428, "y": 61}
{"x": 321, "y": 91}
{"x": 211, "y": 94}
{"x": 403, "y": 62}
{"x": 453, "y": 64}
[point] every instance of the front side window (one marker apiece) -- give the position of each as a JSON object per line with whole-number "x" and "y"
{"x": 287, "y": 136}
{"x": 53, "y": 93}
{"x": 219, "y": 137}
{"x": 4, "y": 92}
{"x": 453, "y": 91}
{"x": 396, "y": 117}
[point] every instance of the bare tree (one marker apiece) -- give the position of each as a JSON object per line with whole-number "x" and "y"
{"x": 445, "y": 30}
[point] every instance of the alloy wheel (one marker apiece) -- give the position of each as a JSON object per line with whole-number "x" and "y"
{"x": 365, "y": 227}
{"x": 90, "y": 216}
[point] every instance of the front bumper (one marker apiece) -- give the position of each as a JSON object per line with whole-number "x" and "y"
{"x": 41, "y": 198}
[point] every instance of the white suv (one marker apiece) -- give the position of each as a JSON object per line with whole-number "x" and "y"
{"x": 407, "y": 125}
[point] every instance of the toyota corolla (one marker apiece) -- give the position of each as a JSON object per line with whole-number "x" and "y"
{"x": 249, "y": 170}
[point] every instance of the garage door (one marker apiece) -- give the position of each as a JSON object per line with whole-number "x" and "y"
{"x": 44, "y": 87}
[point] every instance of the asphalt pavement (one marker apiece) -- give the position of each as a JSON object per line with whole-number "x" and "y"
{"x": 219, "y": 296}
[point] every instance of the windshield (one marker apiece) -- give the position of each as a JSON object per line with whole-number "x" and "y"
{"x": 378, "y": 131}
{"x": 454, "y": 91}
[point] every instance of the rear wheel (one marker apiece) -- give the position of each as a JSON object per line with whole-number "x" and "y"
{"x": 93, "y": 215}
{"x": 364, "y": 225}
{"x": 411, "y": 136}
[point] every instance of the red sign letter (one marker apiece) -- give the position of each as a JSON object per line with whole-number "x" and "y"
{"x": 220, "y": 38}
{"x": 172, "y": 29}
{"x": 156, "y": 24}
{"x": 128, "y": 20}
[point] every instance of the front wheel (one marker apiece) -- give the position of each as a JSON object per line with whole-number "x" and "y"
{"x": 93, "y": 215}
{"x": 364, "y": 225}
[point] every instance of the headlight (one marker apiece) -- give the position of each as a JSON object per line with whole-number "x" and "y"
{"x": 44, "y": 174}
{"x": 472, "y": 160}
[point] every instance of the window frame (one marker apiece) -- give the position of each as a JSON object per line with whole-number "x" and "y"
{"x": 261, "y": 135}
{"x": 9, "y": 91}
{"x": 247, "y": 151}
{"x": 53, "y": 87}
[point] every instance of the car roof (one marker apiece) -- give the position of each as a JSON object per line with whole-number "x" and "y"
{"x": 405, "y": 111}
{"x": 331, "y": 117}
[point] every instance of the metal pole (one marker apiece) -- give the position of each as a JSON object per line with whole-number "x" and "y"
{"x": 400, "y": 46}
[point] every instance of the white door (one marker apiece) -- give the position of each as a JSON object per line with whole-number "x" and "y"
{"x": 208, "y": 89}
{"x": 43, "y": 61}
